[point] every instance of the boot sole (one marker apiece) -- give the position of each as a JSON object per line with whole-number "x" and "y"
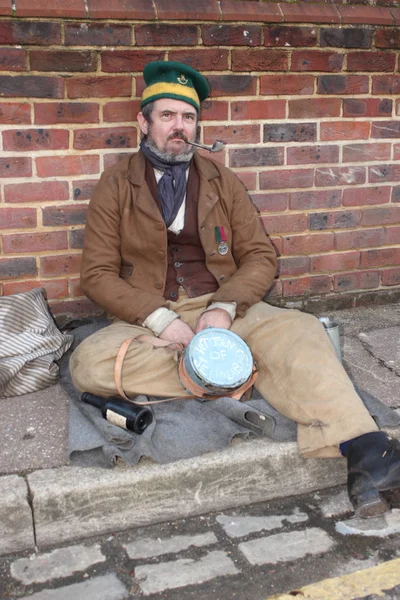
{"x": 373, "y": 503}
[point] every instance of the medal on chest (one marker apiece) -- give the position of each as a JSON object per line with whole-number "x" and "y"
{"x": 220, "y": 237}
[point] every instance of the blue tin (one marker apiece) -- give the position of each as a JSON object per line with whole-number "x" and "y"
{"x": 218, "y": 360}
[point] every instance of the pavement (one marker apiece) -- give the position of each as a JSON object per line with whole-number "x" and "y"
{"x": 44, "y": 501}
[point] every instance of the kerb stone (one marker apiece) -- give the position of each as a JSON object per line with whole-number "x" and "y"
{"x": 16, "y": 524}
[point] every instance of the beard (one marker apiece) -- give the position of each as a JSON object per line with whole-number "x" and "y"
{"x": 171, "y": 157}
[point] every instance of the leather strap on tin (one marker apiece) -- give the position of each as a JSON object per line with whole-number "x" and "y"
{"x": 188, "y": 384}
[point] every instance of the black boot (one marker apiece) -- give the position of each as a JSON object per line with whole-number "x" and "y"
{"x": 373, "y": 463}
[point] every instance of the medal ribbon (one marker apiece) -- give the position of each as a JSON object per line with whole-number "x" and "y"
{"x": 220, "y": 235}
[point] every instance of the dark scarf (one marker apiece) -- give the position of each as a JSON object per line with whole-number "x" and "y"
{"x": 172, "y": 185}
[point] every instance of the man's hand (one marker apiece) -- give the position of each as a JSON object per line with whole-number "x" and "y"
{"x": 217, "y": 317}
{"x": 177, "y": 331}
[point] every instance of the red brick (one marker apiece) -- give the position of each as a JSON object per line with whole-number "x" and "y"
{"x": 361, "y": 280}
{"x": 121, "y": 111}
{"x": 296, "y": 265}
{"x": 231, "y": 35}
{"x": 366, "y": 152}
{"x": 30, "y": 33}
{"x": 328, "y": 263}
{"x": 11, "y": 268}
{"x": 348, "y": 37}
{"x": 383, "y": 257}
{"x": 246, "y": 11}
{"x": 117, "y": 61}
{"x": 249, "y": 179}
{"x": 54, "y": 166}
{"x": 290, "y": 132}
{"x": 366, "y": 15}
{"x": 97, "y": 34}
{"x": 232, "y": 134}
{"x": 328, "y": 176}
{"x": 345, "y": 130}
{"x": 301, "y": 286}
{"x": 55, "y": 8}
{"x": 334, "y": 220}
{"x": 63, "y": 60}
{"x": 99, "y": 87}
{"x": 60, "y": 264}
{"x": 312, "y": 199}
{"x": 34, "y": 242}
{"x": 76, "y": 238}
{"x": 31, "y": 86}
{"x": 75, "y": 288}
{"x": 316, "y": 60}
{"x": 367, "y": 107}
{"x": 287, "y": 223}
{"x": 385, "y": 129}
{"x": 50, "y": 113}
{"x": 387, "y": 38}
{"x": 74, "y": 214}
{"x": 213, "y": 110}
{"x": 259, "y": 60}
{"x": 308, "y": 244}
{"x": 83, "y": 188}
{"x": 343, "y": 84}
{"x": 207, "y": 59}
{"x": 199, "y": 10}
{"x": 360, "y": 238}
{"x": 121, "y": 9}
{"x": 258, "y": 109}
{"x": 105, "y": 137}
{"x": 391, "y": 276}
{"x": 57, "y": 288}
{"x": 271, "y": 202}
{"x": 232, "y": 85}
{"x": 5, "y": 7}
{"x": 386, "y": 84}
{"x": 306, "y": 13}
{"x": 366, "y": 195}
{"x": 396, "y": 15}
{"x": 290, "y": 37}
{"x": 314, "y": 107}
{"x": 15, "y": 167}
{"x": 381, "y": 173}
{"x": 256, "y": 157}
{"x": 43, "y": 191}
{"x": 219, "y": 157}
{"x": 113, "y": 158}
{"x": 12, "y": 59}
{"x": 163, "y": 34}
{"x": 287, "y": 84}
{"x": 371, "y": 61}
{"x": 27, "y": 140}
{"x": 305, "y": 155}
{"x": 17, "y": 218}
{"x": 284, "y": 180}
{"x": 381, "y": 216}
{"x": 396, "y": 152}
{"x": 15, "y": 113}
{"x": 392, "y": 235}
{"x": 395, "y": 197}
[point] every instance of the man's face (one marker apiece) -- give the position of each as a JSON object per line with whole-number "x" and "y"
{"x": 172, "y": 122}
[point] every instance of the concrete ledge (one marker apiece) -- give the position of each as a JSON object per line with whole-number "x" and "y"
{"x": 71, "y": 503}
{"x": 16, "y": 525}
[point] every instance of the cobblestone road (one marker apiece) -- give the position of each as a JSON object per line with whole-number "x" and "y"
{"x": 249, "y": 553}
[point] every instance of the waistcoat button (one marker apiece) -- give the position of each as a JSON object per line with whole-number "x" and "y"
{"x": 178, "y": 264}
{"x": 158, "y": 285}
{"x": 180, "y": 279}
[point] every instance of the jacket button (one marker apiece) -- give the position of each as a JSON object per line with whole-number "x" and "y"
{"x": 158, "y": 285}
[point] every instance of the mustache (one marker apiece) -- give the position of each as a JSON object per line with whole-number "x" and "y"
{"x": 177, "y": 134}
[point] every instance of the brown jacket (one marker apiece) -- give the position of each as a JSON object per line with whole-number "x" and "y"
{"x": 124, "y": 261}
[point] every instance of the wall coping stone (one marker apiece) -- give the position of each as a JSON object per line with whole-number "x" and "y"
{"x": 203, "y": 10}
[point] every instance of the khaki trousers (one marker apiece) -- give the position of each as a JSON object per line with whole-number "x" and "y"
{"x": 299, "y": 373}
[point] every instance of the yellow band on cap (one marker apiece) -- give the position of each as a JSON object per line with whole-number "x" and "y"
{"x": 170, "y": 88}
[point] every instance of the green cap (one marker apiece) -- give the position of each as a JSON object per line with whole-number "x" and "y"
{"x": 171, "y": 79}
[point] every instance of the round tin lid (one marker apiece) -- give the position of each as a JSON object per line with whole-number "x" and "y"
{"x": 219, "y": 358}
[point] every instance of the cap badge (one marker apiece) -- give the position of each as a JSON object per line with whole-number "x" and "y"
{"x": 183, "y": 80}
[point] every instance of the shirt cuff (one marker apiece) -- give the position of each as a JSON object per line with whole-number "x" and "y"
{"x": 230, "y": 308}
{"x": 158, "y": 320}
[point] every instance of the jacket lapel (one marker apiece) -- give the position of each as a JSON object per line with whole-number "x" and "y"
{"x": 144, "y": 200}
{"x": 207, "y": 196}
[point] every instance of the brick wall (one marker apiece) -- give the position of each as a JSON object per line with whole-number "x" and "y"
{"x": 306, "y": 95}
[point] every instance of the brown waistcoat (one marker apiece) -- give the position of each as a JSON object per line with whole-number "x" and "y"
{"x": 186, "y": 258}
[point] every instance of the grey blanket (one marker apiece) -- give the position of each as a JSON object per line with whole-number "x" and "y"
{"x": 180, "y": 429}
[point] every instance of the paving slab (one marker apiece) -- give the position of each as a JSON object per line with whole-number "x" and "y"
{"x": 71, "y": 503}
{"x": 107, "y": 587}
{"x": 16, "y": 524}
